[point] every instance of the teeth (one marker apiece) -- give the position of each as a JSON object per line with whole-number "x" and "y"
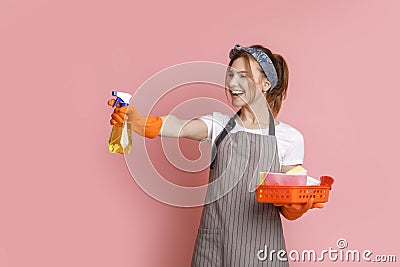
{"x": 237, "y": 92}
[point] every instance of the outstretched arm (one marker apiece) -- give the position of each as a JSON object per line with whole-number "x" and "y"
{"x": 152, "y": 126}
{"x": 192, "y": 129}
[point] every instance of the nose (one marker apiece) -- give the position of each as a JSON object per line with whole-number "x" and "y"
{"x": 233, "y": 81}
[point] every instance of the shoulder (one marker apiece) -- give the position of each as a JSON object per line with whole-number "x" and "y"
{"x": 288, "y": 133}
{"x": 215, "y": 123}
{"x": 291, "y": 144}
{"x": 222, "y": 118}
{"x": 216, "y": 118}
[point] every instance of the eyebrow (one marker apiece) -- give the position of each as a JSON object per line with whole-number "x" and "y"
{"x": 243, "y": 71}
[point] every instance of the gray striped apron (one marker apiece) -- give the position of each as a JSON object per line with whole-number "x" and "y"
{"x": 234, "y": 228}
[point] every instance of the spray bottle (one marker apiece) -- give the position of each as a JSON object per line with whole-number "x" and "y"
{"x": 121, "y": 135}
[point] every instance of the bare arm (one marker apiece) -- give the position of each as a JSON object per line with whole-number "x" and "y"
{"x": 191, "y": 129}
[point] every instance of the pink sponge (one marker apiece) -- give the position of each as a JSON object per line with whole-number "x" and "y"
{"x": 271, "y": 178}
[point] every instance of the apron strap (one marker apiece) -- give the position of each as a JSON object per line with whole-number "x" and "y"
{"x": 271, "y": 123}
{"x": 229, "y": 126}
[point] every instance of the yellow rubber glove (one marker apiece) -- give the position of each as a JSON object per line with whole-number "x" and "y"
{"x": 295, "y": 211}
{"x": 148, "y": 126}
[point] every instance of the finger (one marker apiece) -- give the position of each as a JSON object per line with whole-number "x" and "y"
{"x": 296, "y": 207}
{"x": 318, "y": 206}
{"x": 111, "y": 102}
{"x": 302, "y": 207}
{"x": 120, "y": 116}
{"x": 117, "y": 117}
{"x": 123, "y": 109}
{"x": 309, "y": 204}
{"x": 113, "y": 122}
{"x": 119, "y": 112}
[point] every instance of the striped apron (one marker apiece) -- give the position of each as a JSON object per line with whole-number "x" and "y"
{"x": 235, "y": 227}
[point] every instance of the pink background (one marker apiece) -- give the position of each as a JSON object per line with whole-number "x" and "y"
{"x": 66, "y": 201}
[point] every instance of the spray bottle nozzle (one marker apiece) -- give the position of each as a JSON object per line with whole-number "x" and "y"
{"x": 122, "y": 98}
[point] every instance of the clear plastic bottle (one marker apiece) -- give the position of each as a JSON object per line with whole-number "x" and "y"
{"x": 120, "y": 141}
{"x": 120, "y": 138}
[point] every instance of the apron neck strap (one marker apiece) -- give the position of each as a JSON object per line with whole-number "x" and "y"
{"x": 271, "y": 123}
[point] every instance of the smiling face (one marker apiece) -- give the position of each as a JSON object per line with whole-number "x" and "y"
{"x": 245, "y": 81}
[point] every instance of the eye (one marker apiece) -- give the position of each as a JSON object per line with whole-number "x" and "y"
{"x": 230, "y": 74}
{"x": 243, "y": 76}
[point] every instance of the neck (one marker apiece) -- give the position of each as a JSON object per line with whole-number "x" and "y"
{"x": 255, "y": 115}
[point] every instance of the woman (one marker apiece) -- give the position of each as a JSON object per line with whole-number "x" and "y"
{"x": 234, "y": 227}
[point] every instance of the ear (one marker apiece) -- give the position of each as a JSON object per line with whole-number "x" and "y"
{"x": 266, "y": 85}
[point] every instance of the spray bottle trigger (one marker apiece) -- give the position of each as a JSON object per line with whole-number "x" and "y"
{"x": 117, "y": 101}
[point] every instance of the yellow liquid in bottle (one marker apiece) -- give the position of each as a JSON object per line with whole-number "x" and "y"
{"x": 120, "y": 138}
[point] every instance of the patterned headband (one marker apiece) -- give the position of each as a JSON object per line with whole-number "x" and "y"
{"x": 262, "y": 58}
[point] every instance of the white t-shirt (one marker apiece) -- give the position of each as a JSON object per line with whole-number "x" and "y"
{"x": 290, "y": 140}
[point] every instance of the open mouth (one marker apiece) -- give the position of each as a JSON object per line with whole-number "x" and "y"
{"x": 237, "y": 92}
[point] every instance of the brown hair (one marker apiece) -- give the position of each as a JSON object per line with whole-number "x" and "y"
{"x": 276, "y": 95}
